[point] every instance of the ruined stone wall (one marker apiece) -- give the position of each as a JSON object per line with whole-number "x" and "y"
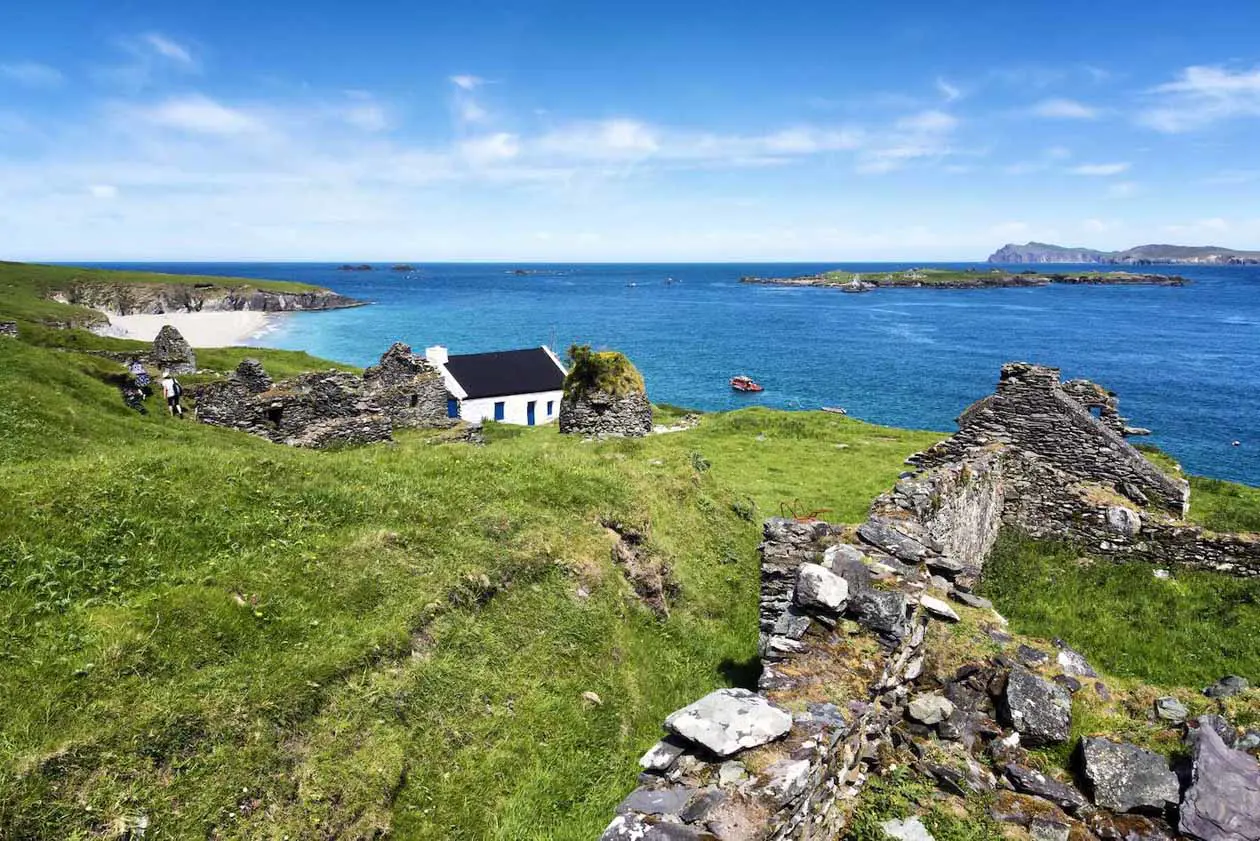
{"x": 330, "y": 408}
{"x": 9, "y": 329}
{"x": 1031, "y": 412}
{"x": 1044, "y": 503}
{"x": 844, "y": 617}
{"x": 597, "y": 413}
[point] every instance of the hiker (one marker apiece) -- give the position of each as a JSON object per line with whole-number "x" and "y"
{"x": 132, "y": 397}
{"x": 143, "y": 381}
{"x": 172, "y": 390}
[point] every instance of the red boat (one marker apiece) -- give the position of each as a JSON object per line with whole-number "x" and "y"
{"x": 742, "y": 383}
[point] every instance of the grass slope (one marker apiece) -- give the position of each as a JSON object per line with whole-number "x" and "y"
{"x": 234, "y": 639}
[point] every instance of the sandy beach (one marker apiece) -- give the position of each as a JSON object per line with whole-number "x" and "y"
{"x": 200, "y": 329}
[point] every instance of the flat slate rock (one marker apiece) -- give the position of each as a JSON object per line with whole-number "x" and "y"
{"x": 883, "y": 535}
{"x": 1073, "y": 662}
{"x": 938, "y": 608}
{"x": 911, "y": 829}
{"x": 971, "y": 600}
{"x": 635, "y": 828}
{"x": 730, "y": 720}
{"x": 656, "y": 801}
{"x": 1170, "y": 709}
{"x": 662, "y": 754}
{"x": 1227, "y": 687}
{"x": 1039, "y": 710}
{"x": 1223, "y": 800}
{"x": 1031, "y": 781}
{"x": 1127, "y": 778}
{"x": 880, "y": 610}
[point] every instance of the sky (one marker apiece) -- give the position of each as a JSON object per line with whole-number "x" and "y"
{"x": 623, "y": 131}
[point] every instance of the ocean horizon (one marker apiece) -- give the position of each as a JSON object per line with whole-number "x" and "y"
{"x": 1181, "y": 359}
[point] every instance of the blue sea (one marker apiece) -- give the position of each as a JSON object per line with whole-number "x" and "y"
{"x": 1184, "y": 360}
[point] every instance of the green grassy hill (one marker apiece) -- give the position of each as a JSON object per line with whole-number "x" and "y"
{"x": 235, "y": 639}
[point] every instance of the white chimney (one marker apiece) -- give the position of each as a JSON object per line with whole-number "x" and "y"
{"x": 436, "y": 354}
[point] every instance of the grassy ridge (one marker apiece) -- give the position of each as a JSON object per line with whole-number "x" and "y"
{"x": 231, "y": 637}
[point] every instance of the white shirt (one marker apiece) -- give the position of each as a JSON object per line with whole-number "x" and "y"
{"x": 168, "y": 387}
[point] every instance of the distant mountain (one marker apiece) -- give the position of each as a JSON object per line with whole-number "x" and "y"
{"x": 1142, "y": 255}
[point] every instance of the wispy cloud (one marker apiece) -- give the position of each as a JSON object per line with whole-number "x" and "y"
{"x": 467, "y": 82}
{"x": 170, "y": 49}
{"x": 1100, "y": 169}
{"x": 1063, "y": 109}
{"x": 950, "y": 92}
{"x": 31, "y": 74}
{"x": 1123, "y": 190}
{"x": 1202, "y": 96}
{"x": 197, "y": 114}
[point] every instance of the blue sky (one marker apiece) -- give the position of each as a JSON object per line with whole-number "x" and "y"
{"x": 623, "y": 131}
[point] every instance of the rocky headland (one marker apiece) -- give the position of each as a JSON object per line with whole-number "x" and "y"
{"x": 158, "y": 299}
{"x": 847, "y": 281}
{"x": 1142, "y": 255}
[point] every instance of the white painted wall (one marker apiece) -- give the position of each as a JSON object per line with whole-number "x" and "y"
{"x": 514, "y": 409}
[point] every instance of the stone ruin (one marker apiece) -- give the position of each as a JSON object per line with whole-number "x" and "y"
{"x": 602, "y": 415}
{"x": 171, "y": 352}
{"x": 329, "y": 408}
{"x": 604, "y": 396}
{"x": 861, "y": 672}
{"x": 9, "y": 329}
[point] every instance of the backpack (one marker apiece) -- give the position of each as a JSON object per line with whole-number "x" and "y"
{"x": 179, "y": 389}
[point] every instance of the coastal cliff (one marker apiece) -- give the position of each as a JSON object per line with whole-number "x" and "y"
{"x": 157, "y": 299}
{"x": 1142, "y": 255}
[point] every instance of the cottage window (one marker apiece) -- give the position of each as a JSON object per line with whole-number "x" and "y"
{"x": 499, "y": 410}
{"x": 550, "y": 404}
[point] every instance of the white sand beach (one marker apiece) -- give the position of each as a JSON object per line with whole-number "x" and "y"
{"x": 200, "y": 329}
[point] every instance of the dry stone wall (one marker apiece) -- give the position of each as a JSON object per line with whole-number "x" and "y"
{"x": 9, "y": 329}
{"x": 600, "y": 414}
{"x": 1032, "y": 413}
{"x": 330, "y": 408}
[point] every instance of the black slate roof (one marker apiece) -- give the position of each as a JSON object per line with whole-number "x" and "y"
{"x": 506, "y": 372}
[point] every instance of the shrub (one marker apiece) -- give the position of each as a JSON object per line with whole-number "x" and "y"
{"x": 604, "y": 370}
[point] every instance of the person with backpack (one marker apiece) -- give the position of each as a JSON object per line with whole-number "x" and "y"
{"x": 172, "y": 390}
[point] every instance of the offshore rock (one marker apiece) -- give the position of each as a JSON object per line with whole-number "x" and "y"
{"x": 730, "y": 720}
{"x": 1126, "y": 778}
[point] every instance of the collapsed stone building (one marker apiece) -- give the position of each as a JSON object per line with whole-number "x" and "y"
{"x": 328, "y": 408}
{"x": 861, "y": 671}
{"x": 604, "y": 396}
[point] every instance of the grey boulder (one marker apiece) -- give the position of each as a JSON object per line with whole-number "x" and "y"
{"x": 882, "y": 611}
{"x": 730, "y": 720}
{"x": 1039, "y": 710}
{"x": 1170, "y": 709}
{"x": 1226, "y": 687}
{"x": 930, "y": 709}
{"x": 1126, "y": 778}
{"x": 911, "y": 829}
{"x": 1223, "y": 800}
{"x": 819, "y": 587}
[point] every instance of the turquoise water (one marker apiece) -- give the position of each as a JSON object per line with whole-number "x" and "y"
{"x": 1184, "y": 360}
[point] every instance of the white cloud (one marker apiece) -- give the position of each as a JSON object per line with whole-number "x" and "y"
{"x": 31, "y": 74}
{"x": 1123, "y": 190}
{"x": 951, "y": 93}
{"x": 1100, "y": 226}
{"x": 466, "y": 82}
{"x": 197, "y": 114}
{"x": 1201, "y": 96}
{"x": 612, "y": 139}
{"x": 1064, "y": 109}
{"x": 170, "y": 49}
{"x": 363, "y": 112}
{"x": 493, "y": 148}
{"x": 470, "y": 111}
{"x": 1100, "y": 169}
{"x": 102, "y": 191}
{"x": 928, "y": 121}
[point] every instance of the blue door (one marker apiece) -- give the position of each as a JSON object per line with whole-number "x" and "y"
{"x": 452, "y": 408}
{"x": 498, "y": 410}
{"x": 529, "y": 412}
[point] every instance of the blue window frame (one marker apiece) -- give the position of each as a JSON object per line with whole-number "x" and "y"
{"x": 529, "y": 412}
{"x": 550, "y": 403}
{"x": 499, "y": 407}
{"x": 452, "y": 408}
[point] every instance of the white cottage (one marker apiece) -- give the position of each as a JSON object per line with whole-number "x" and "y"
{"x": 512, "y": 386}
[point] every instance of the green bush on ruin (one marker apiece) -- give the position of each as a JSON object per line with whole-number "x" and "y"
{"x": 601, "y": 370}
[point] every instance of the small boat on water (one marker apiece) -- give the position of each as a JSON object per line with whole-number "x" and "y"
{"x": 746, "y": 384}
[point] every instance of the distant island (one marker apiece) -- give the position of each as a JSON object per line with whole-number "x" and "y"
{"x": 350, "y": 267}
{"x": 1142, "y": 255}
{"x": 847, "y": 281}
